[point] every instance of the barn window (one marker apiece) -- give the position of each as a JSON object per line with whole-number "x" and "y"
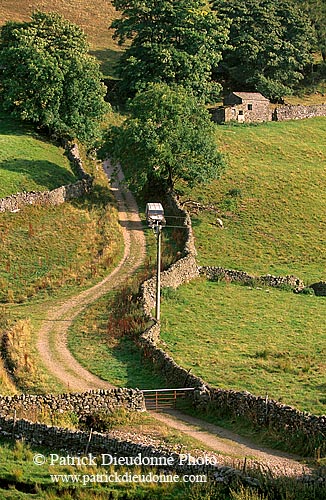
{"x": 249, "y": 107}
{"x": 240, "y": 112}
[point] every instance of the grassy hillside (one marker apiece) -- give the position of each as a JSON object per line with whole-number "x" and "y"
{"x": 42, "y": 250}
{"x": 272, "y": 202}
{"x": 6, "y": 384}
{"x": 271, "y": 199}
{"x": 22, "y": 479}
{"x": 109, "y": 354}
{"x": 94, "y": 17}
{"x": 263, "y": 341}
{"x": 28, "y": 162}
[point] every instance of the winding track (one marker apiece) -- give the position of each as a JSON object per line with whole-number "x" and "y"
{"x": 53, "y": 350}
{"x": 52, "y": 336}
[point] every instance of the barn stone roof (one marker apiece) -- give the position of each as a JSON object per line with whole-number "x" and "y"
{"x": 255, "y": 96}
{"x": 248, "y": 96}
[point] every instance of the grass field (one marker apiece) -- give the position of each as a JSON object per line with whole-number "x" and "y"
{"x": 48, "y": 252}
{"x": 271, "y": 199}
{"x": 98, "y": 338}
{"x": 20, "y": 369}
{"x": 93, "y": 17}
{"x": 43, "y": 249}
{"x": 115, "y": 359}
{"x": 28, "y": 162}
{"x": 22, "y": 479}
{"x": 46, "y": 248}
{"x": 266, "y": 342}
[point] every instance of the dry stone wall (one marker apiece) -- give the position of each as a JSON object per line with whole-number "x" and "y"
{"x": 101, "y": 447}
{"x": 298, "y": 112}
{"x": 55, "y": 197}
{"x": 260, "y": 411}
{"x": 182, "y": 271}
{"x": 233, "y": 275}
{"x": 74, "y": 156}
{"x": 267, "y": 113}
{"x": 264, "y": 412}
{"x": 81, "y": 404}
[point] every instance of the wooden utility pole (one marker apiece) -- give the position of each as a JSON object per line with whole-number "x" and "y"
{"x": 158, "y": 272}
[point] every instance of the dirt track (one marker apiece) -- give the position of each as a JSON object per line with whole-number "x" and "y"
{"x": 52, "y": 337}
{"x": 232, "y": 448}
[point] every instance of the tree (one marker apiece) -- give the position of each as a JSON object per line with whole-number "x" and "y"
{"x": 316, "y": 10}
{"x": 48, "y": 77}
{"x": 168, "y": 136}
{"x": 270, "y": 44}
{"x": 172, "y": 41}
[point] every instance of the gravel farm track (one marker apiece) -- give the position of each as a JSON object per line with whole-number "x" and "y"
{"x": 52, "y": 337}
{"x": 57, "y": 359}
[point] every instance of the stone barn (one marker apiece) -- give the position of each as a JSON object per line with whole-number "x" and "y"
{"x": 243, "y": 107}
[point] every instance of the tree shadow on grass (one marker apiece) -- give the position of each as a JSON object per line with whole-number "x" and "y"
{"x": 98, "y": 197}
{"x": 140, "y": 372}
{"x": 108, "y": 59}
{"x": 14, "y": 126}
{"x": 35, "y": 175}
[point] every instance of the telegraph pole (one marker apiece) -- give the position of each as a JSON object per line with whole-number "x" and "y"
{"x": 158, "y": 271}
{"x": 155, "y": 220}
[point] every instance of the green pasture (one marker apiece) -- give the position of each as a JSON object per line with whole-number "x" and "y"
{"x": 264, "y": 341}
{"x": 46, "y": 248}
{"x": 271, "y": 199}
{"x": 43, "y": 249}
{"x": 113, "y": 357}
{"x": 22, "y": 479}
{"x": 28, "y": 162}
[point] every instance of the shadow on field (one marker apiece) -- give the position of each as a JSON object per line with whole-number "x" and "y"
{"x": 195, "y": 222}
{"x": 45, "y": 174}
{"x": 10, "y": 125}
{"x": 108, "y": 59}
{"x": 138, "y": 370}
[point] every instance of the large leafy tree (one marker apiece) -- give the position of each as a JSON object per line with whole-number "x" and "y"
{"x": 172, "y": 41}
{"x": 48, "y": 77}
{"x": 168, "y": 136}
{"x": 316, "y": 10}
{"x": 270, "y": 44}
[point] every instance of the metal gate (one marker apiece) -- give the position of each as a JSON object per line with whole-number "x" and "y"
{"x": 158, "y": 399}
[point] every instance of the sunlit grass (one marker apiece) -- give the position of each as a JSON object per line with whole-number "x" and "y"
{"x": 271, "y": 199}
{"x": 45, "y": 248}
{"x": 263, "y": 341}
{"x": 28, "y": 162}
